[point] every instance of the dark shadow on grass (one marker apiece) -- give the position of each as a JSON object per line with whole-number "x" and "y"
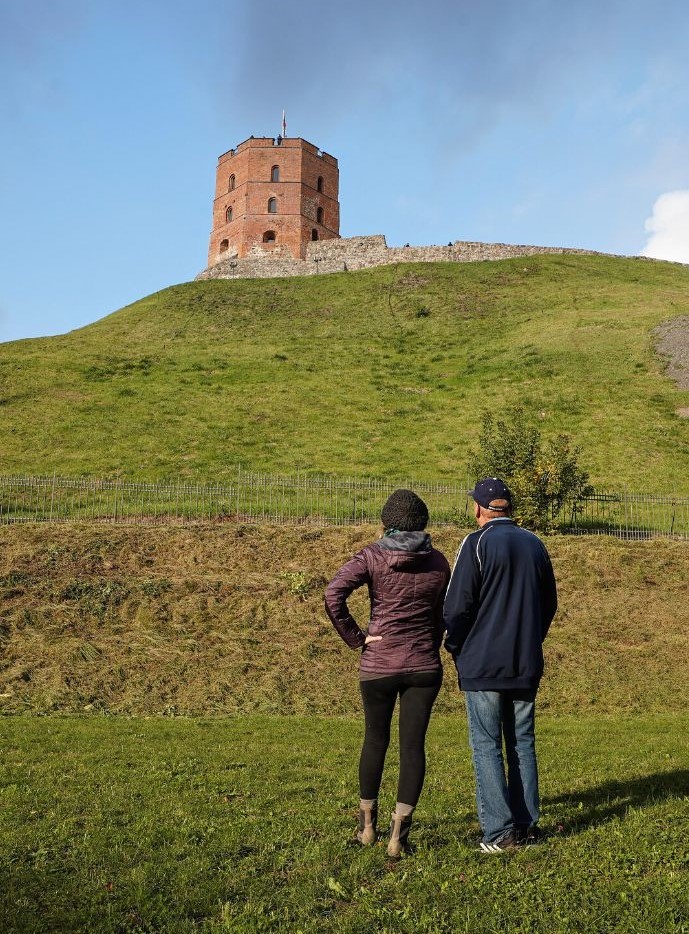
{"x": 580, "y": 810}
{"x": 442, "y": 831}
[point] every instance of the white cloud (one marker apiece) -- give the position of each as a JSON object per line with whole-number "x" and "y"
{"x": 668, "y": 228}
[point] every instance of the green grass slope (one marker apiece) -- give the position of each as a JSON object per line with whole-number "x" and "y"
{"x": 383, "y": 372}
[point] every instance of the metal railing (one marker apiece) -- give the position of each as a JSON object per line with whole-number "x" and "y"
{"x": 247, "y": 497}
{"x": 628, "y": 515}
{"x": 252, "y": 497}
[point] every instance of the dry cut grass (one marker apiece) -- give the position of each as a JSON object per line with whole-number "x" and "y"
{"x": 228, "y": 618}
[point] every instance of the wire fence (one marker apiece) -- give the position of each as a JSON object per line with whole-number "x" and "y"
{"x": 297, "y": 499}
{"x": 628, "y": 515}
{"x": 247, "y": 497}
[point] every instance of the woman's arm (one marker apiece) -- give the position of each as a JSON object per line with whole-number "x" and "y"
{"x": 353, "y": 574}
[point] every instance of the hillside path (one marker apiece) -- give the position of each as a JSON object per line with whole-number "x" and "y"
{"x": 672, "y": 342}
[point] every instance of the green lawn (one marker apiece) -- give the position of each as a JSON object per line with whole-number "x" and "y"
{"x": 243, "y": 824}
{"x": 383, "y": 372}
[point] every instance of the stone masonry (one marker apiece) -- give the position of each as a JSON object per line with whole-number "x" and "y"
{"x": 351, "y": 253}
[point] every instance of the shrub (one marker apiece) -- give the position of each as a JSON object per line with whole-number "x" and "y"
{"x": 543, "y": 475}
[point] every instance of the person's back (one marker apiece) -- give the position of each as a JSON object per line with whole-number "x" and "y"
{"x": 497, "y": 637}
{"x": 406, "y": 579}
{"x": 500, "y": 602}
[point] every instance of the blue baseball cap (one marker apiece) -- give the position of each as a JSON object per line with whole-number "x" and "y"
{"x": 490, "y": 489}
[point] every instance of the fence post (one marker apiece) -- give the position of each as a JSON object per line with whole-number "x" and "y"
{"x": 239, "y": 473}
{"x": 672, "y": 523}
{"x": 52, "y": 498}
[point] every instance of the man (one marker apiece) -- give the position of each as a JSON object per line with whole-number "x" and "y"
{"x": 500, "y": 602}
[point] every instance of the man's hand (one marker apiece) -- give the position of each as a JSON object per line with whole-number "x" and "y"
{"x": 370, "y": 639}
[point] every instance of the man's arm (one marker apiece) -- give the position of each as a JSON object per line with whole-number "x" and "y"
{"x": 351, "y": 575}
{"x": 461, "y": 601}
{"x": 438, "y": 618}
{"x": 548, "y": 596}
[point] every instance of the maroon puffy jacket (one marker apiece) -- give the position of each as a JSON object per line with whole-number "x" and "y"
{"x": 407, "y": 579}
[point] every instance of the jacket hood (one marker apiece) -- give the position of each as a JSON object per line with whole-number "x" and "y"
{"x": 411, "y": 543}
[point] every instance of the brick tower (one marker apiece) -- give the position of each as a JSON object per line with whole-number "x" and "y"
{"x": 273, "y": 196}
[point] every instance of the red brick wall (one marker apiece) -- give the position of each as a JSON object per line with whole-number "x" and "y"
{"x": 298, "y": 199}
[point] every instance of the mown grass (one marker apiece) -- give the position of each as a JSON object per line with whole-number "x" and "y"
{"x": 116, "y": 825}
{"x": 223, "y": 619}
{"x": 383, "y": 372}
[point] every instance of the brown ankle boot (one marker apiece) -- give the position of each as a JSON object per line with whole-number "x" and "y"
{"x": 399, "y": 833}
{"x": 366, "y": 834}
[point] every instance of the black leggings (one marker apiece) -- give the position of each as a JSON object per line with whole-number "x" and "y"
{"x": 417, "y": 692}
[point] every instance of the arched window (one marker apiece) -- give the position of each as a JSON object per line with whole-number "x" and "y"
{"x": 224, "y": 245}
{"x": 319, "y": 183}
{"x": 275, "y": 173}
{"x": 319, "y": 215}
{"x": 272, "y": 205}
{"x": 228, "y": 214}
{"x": 231, "y": 183}
{"x": 269, "y": 236}
{"x": 314, "y": 234}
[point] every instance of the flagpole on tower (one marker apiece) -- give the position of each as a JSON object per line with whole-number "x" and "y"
{"x": 284, "y": 125}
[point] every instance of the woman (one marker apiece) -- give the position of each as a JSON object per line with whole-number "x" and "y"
{"x": 406, "y": 579}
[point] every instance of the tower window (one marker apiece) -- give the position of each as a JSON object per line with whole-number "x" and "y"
{"x": 231, "y": 183}
{"x": 319, "y": 183}
{"x": 228, "y": 214}
{"x": 314, "y": 234}
{"x": 319, "y": 215}
{"x": 272, "y": 205}
{"x": 224, "y": 245}
{"x": 269, "y": 236}
{"x": 275, "y": 173}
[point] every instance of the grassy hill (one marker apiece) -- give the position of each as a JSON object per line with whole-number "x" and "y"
{"x": 383, "y": 372}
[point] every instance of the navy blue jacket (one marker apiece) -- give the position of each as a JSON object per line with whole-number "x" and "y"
{"x": 499, "y": 605}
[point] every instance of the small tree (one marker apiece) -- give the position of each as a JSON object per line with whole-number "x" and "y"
{"x": 542, "y": 475}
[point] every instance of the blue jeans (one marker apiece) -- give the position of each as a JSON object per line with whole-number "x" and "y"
{"x": 504, "y": 803}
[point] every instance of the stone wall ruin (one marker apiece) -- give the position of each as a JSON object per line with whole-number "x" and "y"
{"x": 352, "y": 253}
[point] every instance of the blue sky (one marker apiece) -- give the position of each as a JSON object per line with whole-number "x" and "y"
{"x": 535, "y": 122}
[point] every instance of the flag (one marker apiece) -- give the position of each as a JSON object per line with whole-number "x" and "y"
{"x": 284, "y": 124}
